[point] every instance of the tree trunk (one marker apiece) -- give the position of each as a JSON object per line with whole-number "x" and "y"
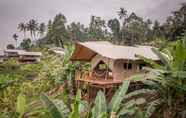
{"x": 24, "y": 33}
{"x": 113, "y": 115}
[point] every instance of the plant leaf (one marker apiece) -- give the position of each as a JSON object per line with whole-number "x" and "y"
{"x": 51, "y": 107}
{"x": 116, "y": 100}
{"x": 100, "y": 106}
{"x": 152, "y": 107}
{"x": 21, "y": 104}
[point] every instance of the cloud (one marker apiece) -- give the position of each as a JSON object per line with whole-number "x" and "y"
{"x": 13, "y": 12}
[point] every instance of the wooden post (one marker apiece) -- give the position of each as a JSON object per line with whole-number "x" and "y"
{"x": 113, "y": 115}
{"x": 89, "y": 93}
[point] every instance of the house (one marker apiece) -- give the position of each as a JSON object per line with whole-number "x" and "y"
{"x": 110, "y": 64}
{"x": 9, "y": 53}
{"x": 29, "y": 57}
{"x": 2, "y": 57}
{"x": 23, "y": 56}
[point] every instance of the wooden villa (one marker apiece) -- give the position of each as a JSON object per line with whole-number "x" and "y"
{"x": 12, "y": 53}
{"x": 110, "y": 64}
{"x": 29, "y": 57}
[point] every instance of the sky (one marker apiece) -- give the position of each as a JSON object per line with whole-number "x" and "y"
{"x": 12, "y": 12}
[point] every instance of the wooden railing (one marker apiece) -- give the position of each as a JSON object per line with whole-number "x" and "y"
{"x": 89, "y": 75}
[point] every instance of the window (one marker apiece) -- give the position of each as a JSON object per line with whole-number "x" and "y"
{"x": 127, "y": 66}
{"x": 102, "y": 66}
{"x": 141, "y": 66}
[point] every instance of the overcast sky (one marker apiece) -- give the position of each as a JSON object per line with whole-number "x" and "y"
{"x": 12, "y": 12}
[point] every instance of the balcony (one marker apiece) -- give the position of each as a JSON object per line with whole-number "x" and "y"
{"x": 94, "y": 83}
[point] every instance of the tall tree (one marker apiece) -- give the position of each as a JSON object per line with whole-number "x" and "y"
{"x": 77, "y": 32}
{"x": 123, "y": 16}
{"x": 176, "y": 23}
{"x": 97, "y": 28}
{"x": 157, "y": 29}
{"x": 26, "y": 44}
{"x": 32, "y": 26}
{"x": 22, "y": 27}
{"x": 114, "y": 25}
{"x": 136, "y": 30}
{"x": 58, "y": 34}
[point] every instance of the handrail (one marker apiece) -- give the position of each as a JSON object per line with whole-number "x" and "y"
{"x": 88, "y": 75}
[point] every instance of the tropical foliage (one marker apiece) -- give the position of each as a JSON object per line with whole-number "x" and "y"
{"x": 46, "y": 89}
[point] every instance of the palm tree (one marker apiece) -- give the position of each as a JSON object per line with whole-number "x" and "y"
{"x": 22, "y": 27}
{"x": 32, "y": 26}
{"x": 123, "y": 16}
{"x": 15, "y": 37}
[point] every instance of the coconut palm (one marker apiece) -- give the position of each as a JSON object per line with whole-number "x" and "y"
{"x": 15, "y": 37}
{"x": 32, "y": 26}
{"x": 123, "y": 16}
{"x": 22, "y": 27}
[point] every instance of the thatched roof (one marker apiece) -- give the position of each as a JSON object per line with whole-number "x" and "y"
{"x": 87, "y": 50}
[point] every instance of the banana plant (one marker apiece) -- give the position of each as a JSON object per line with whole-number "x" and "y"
{"x": 58, "y": 109}
{"x": 117, "y": 107}
{"x": 25, "y": 109}
{"x": 167, "y": 81}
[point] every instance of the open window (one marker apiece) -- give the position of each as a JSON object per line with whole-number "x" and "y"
{"x": 127, "y": 66}
{"x": 141, "y": 66}
{"x": 101, "y": 70}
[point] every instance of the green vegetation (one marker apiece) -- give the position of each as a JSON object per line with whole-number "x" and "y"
{"x": 46, "y": 89}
